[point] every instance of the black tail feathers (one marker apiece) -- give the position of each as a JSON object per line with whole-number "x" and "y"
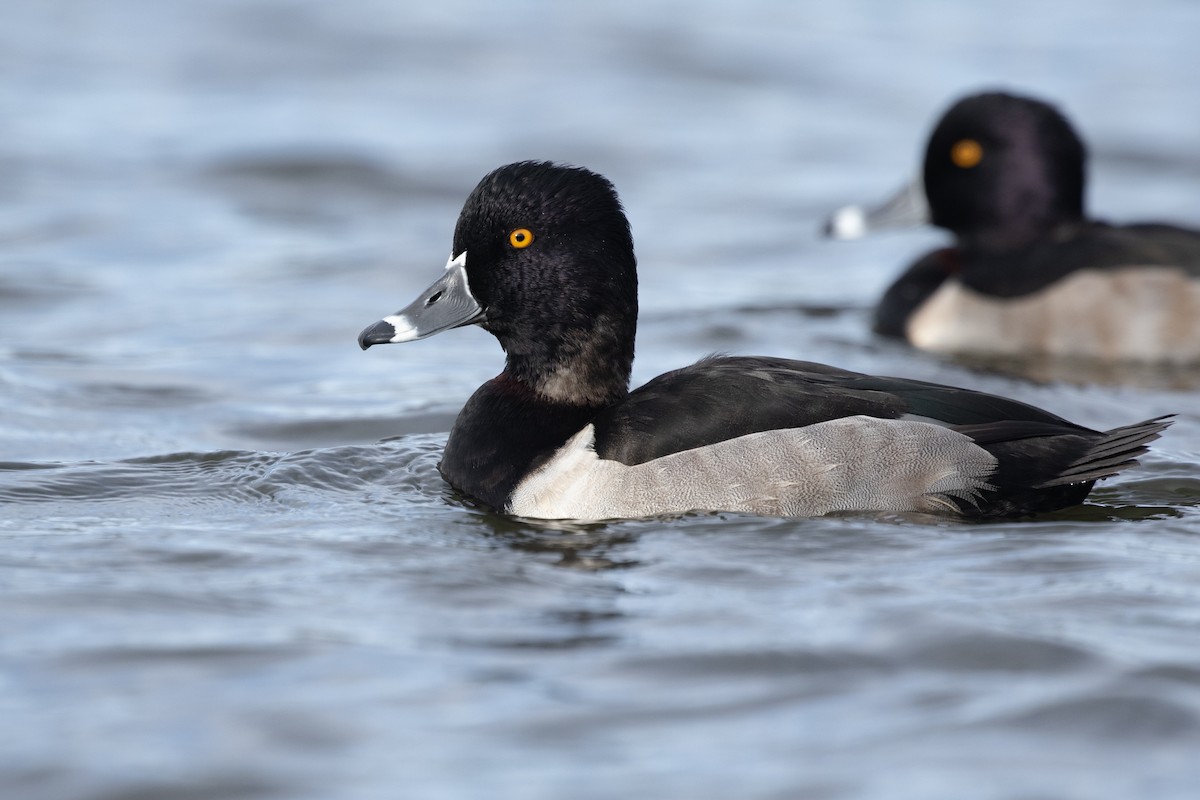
{"x": 1113, "y": 452}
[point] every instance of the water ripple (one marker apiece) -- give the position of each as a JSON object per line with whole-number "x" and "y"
{"x": 406, "y": 465}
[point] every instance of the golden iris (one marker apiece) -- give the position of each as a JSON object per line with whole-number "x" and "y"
{"x": 966, "y": 153}
{"x": 521, "y": 237}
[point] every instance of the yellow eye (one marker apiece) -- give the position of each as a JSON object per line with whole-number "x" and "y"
{"x": 521, "y": 237}
{"x": 966, "y": 153}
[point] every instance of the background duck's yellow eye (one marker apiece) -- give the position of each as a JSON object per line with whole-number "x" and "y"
{"x": 966, "y": 153}
{"x": 521, "y": 237}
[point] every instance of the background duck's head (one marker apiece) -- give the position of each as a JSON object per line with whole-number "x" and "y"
{"x": 1003, "y": 169}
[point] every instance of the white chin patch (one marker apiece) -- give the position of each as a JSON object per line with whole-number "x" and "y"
{"x": 849, "y": 222}
{"x": 405, "y": 332}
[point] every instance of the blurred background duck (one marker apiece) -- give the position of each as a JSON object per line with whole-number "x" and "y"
{"x": 1029, "y": 273}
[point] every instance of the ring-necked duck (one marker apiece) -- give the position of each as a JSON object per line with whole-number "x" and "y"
{"x": 543, "y": 259}
{"x": 1030, "y": 274}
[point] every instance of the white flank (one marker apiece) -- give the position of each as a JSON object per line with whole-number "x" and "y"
{"x": 851, "y": 464}
{"x": 1136, "y": 314}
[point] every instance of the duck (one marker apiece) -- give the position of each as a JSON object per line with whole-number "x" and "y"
{"x": 542, "y": 258}
{"x": 1030, "y": 274}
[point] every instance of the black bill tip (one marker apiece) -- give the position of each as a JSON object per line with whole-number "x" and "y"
{"x": 381, "y": 332}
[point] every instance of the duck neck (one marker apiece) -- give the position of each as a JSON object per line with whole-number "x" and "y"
{"x": 1016, "y": 234}
{"x": 583, "y": 367}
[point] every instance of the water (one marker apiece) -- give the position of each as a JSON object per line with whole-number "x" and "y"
{"x": 229, "y": 568}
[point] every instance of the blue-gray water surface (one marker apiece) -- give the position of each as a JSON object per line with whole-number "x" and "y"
{"x": 229, "y": 568}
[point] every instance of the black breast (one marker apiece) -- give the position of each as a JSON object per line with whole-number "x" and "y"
{"x": 504, "y": 431}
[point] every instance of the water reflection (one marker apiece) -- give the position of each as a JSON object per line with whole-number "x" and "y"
{"x": 1083, "y": 372}
{"x": 583, "y": 546}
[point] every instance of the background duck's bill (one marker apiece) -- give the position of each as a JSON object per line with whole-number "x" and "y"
{"x": 907, "y": 208}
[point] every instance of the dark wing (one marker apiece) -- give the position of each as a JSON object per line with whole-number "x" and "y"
{"x": 954, "y": 406}
{"x": 721, "y": 398}
{"x": 1176, "y": 246}
{"x": 1091, "y": 245}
